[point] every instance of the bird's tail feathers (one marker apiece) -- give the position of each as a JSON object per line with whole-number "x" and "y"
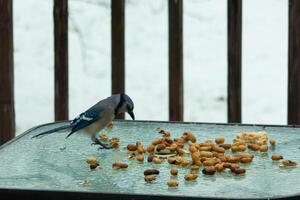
{"x": 70, "y": 134}
{"x": 53, "y": 130}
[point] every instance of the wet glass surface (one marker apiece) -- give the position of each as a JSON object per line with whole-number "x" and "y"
{"x": 54, "y": 163}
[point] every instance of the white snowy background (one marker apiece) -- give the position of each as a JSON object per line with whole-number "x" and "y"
{"x": 265, "y": 29}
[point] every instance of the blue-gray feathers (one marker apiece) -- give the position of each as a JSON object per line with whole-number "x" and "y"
{"x": 110, "y": 106}
{"x": 84, "y": 119}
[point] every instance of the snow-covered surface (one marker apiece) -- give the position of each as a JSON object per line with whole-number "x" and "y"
{"x": 205, "y": 65}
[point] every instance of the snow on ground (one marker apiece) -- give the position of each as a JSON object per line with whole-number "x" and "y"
{"x": 205, "y": 65}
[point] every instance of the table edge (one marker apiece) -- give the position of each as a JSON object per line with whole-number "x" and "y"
{"x": 10, "y": 193}
{"x": 153, "y": 121}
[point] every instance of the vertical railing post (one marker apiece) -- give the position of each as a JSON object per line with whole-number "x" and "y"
{"x": 175, "y": 60}
{"x": 118, "y": 47}
{"x": 294, "y": 63}
{"x": 7, "y": 111}
{"x": 234, "y": 61}
{"x": 60, "y": 14}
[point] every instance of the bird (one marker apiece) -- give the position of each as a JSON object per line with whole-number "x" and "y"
{"x": 97, "y": 117}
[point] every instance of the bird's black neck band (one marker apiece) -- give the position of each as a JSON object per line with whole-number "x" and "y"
{"x": 120, "y": 104}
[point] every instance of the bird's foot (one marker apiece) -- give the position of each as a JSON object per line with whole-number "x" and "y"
{"x": 102, "y": 145}
{"x": 105, "y": 147}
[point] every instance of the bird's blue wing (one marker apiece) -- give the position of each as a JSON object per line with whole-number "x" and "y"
{"x": 84, "y": 120}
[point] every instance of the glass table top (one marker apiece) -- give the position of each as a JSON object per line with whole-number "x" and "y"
{"x": 55, "y": 163}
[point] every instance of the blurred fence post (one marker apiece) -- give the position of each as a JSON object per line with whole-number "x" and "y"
{"x": 294, "y": 63}
{"x": 60, "y": 14}
{"x": 175, "y": 60}
{"x": 7, "y": 111}
{"x": 234, "y": 61}
{"x": 118, "y": 47}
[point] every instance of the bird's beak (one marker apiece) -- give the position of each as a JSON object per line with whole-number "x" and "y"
{"x": 131, "y": 114}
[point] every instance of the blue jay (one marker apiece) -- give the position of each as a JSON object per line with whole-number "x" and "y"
{"x": 97, "y": 117}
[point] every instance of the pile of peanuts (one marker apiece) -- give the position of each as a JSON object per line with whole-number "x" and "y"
{"x": 92, "y": 162}
{"x": 212, "y": 156}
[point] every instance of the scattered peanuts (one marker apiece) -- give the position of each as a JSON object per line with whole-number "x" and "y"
{"x": 157, "y": 160}
{"x": 119, "y": 165}
{"x": 94, "y": 166}
{"x": 160, "y": 147}
{"x": 195, "y": 156}
{"x": 195, "y": 169}
{"x": 218, "y": 149}
{"x": 242, "y": 147}
{"x": 114, "y": 142}
{"x": 193, "y": 148}
{"x": 209, "y": 162}
{"x": 246, "y": 155}
{"x": 131, "y": 155}
{"x": 173, "y": 147}
{"x": 234, "y": 165}
{"x": 272, "y": 142}
{"x": 174, "y": 171}
{"x": 171, "y": 160}
{"x": 197, "y": 163}
{"x": 209, "y": 170}
{"x": 190, "y": 136}
{"x": 150, "y": 148}
{"x": 289, "y": 163}
{"x": 92, "y": 161}
{"x": 140, "y": 157}
{"x": 219, "y": 167}
{"x": 150, "y": 158}
{"x": 131, "y": 147}
{"x": 259, "y": 138}
{"x": 178, "y": 160}
{"x": 190, "y": 177}
{"x": 151, "y": 172}
{"x": 263, "y": 148}
{"x": 238, "y": 170}
{"x": 165, "y": 133}
{"x": 156, "y": 142}
{"x": 115, "y": 145}
{"x": 185, "y": 163}
{"x": 235, "y": 148}
{"x": 226, "y": 146}
{"x": 205, "y": 148}
{"x": 168, "y": 141}
{"x": 276, "y": 157}
{"x": 103, "y": 137}
{"x": 227, "y": 165}
{"x": 139, "y": 147}
{"x": 253, "y": 147}
{"x": 181, "y": 151}
{"x": 215, "y": 156}
{"x": 220, "y": 140}
{"x": 172, "y": 183}
{"x": 206, "y": 154}
{"x": 246, "y": 160}
{"x": 150, "y": 178}
{"x": 234, "y": 159}
{"x": 114, "y": 139}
